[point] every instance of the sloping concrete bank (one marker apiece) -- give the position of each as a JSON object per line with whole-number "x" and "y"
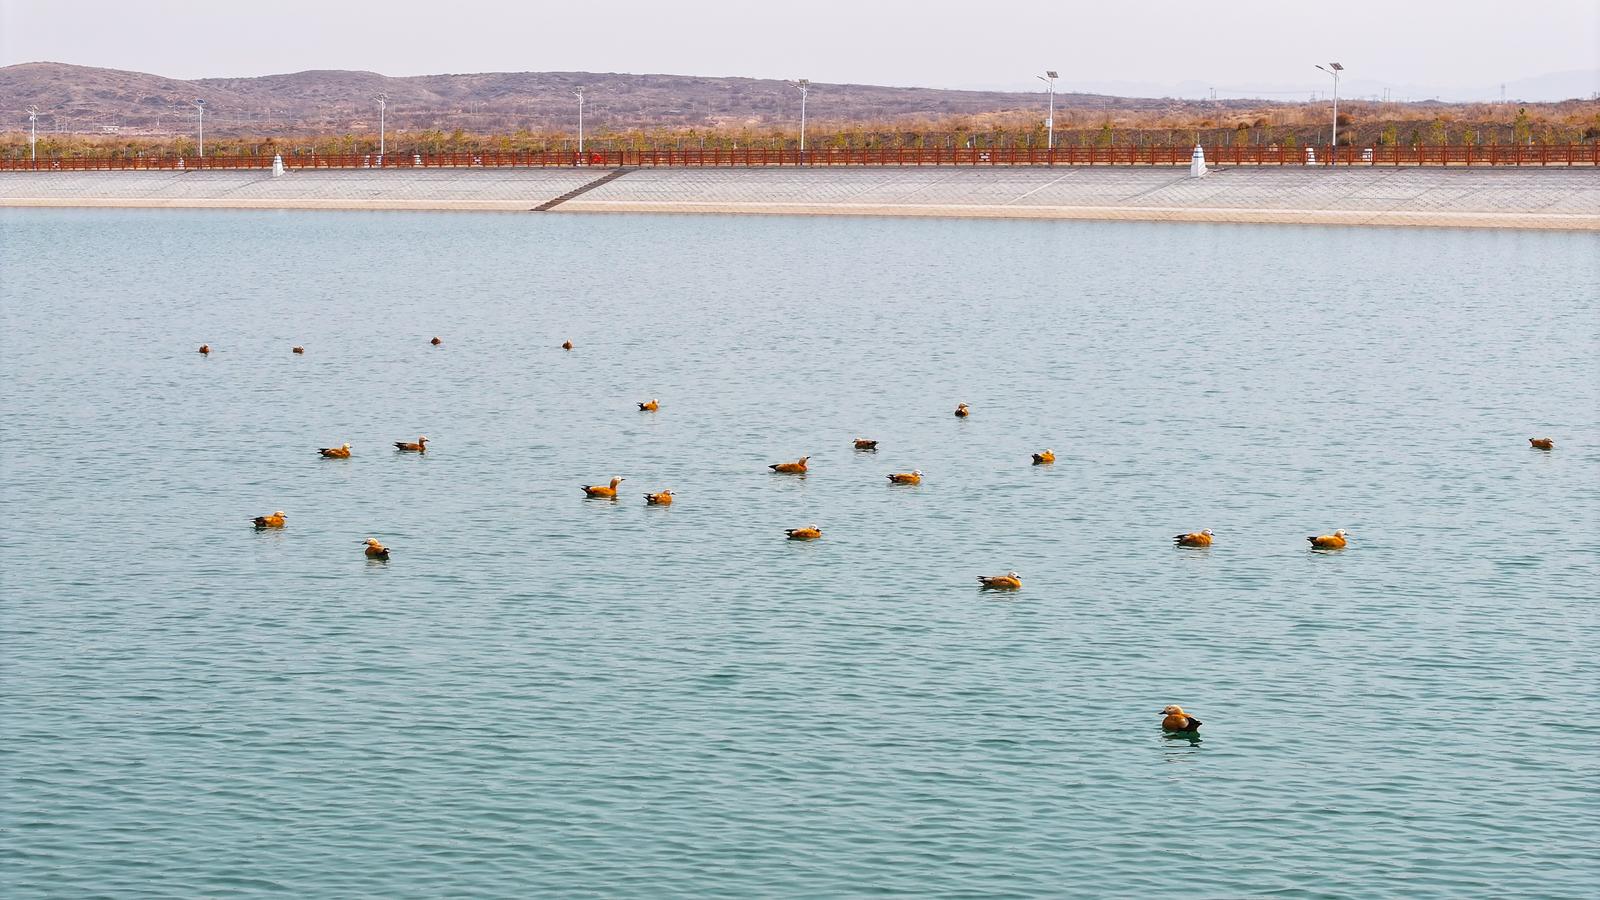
{"x": 1494, "y": 198}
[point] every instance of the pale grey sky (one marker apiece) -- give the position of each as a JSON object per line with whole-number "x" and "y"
{"x": 1256, "y": 44}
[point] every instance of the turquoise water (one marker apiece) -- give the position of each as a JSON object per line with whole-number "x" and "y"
{"x": 543, "y": 695}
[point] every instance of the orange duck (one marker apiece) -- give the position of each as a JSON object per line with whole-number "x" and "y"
{"x": 1175, "y": 719}
{"x": 340, "y": 452}
{"x": 376, "y": 550}
{"x": 601, "y": 491}
{"x": 1044, "y": 458}
{"x": 436, "y": 342}
{"x": 962, "y": 411}
{"x": 566, "y": 345}
{"x": 276, "y": 520}
{"x": 661, "y": 498}
{"x": 1010, "y": 581}
{"x": 650, "y": 405}
{"x": 798, "y": 467}
{"x": 421, "y": 446}
{"x": 864, "y": 444}
{"x": 906, "y": 477}
{"x": 1193, "y": 539}
{"x": 298, "y": 349}
{"x": 205, "y": 349}
{"x": 1335, "y": 541}
{"x": 1542, "y": 443}
{"x": 808, "y": 533}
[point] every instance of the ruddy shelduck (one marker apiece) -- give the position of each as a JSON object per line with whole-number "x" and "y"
{"x": 275, "y": 520}
{"x": 298, "y": 349}
{"x": 962, "y": 411}
{"x": 601, "y": 491}
{"x": 1010, "y": 581}
{"x": 798, "y": 467}
{"x": 1193, "y": 539}
{"x": 1542, "y": 443}
{"x": 340, "y": 452}
{"x": 1335, "y": 541}
{"x": 650, "y": 405}
{"x": 436, "y": 342}
{"x": 1175, "y": 719}
{"x": 864, "y": 444}
{"x": 566, "y": 345}
{"x": 205, "y": 349}
{"x": 421, "y": 446}
{"x": 1045, "y": 457}
{"x": 808, "y": 533}
{"x": 375, "y": 550}
{"x": 906, "y": 477}
{"x": 660, "y": 498}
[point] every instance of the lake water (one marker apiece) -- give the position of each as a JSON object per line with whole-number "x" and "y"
{"x": 546, "y": 696}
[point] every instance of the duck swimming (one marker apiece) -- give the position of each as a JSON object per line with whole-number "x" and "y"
{"x": 798, "y": 467}
{"x": 962, "y": 411}
{"x": 1178, "y": 720}
{"x": 601, "y": 491}
{"x": 1010, "y": 581}
{"x": 1193, "y": 539}
{"x": 660, "y": 498}
{"x": 864, "y": 444}
{"x": 808, "y": 533}
{"x": 421, "y": 446}
{"x": 650, "y": 405}
{"x": 340, "y": 452}
{"x": 376, "y": 550}
{"x": 1542, "y": 443}
{"x": 1335, "y": 541}
{"x": 275, "y": 520}
{"x": 906, "y": 477}
{"x": 1044, "y": 458}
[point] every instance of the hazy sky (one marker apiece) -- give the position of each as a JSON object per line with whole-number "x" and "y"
{"x": 976, "y": 43}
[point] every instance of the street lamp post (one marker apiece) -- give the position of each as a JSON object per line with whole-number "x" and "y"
{"x": 579, "y": 94}
{"x": 1049, "y": 77}
{"x": 33, "y": 132}
{"x": 802, "y": 85}
{"x": 1334, "y": 69}
{"x": 201, "y": 143}
{"x": 383, "y": 109}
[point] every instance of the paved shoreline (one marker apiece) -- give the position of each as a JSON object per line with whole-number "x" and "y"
{"x": 1564, "y": 199}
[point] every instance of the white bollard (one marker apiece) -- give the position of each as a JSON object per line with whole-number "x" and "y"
{"x": 1197, "y": 163}
{"x": 1311, "y": 156}
{"x": 277, "y": 165}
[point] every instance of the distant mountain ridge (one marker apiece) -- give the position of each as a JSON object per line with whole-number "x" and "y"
{"x": 81, "y": 98}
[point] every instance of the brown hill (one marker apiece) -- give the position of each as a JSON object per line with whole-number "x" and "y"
{"x": 83, "y": 99}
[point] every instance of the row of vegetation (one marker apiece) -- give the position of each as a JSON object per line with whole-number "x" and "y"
{"x": 1360, "y": 125}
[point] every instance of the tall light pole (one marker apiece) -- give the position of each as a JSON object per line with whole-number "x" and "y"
{"x": 579, "y": 94}
{"x": 1334, "y": 69}
{"x": 201, "y": 106}
{"x": 802, "y": 85}
{"x": 1049, "y": 77}
{"x": 33, "y": 132}
{"x": 383, "y": 109}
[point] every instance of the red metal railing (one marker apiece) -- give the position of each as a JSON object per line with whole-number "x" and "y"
{"x": 1538, "y": 155}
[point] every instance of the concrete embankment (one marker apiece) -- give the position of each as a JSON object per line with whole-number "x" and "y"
{"x": 1494, "y": 198}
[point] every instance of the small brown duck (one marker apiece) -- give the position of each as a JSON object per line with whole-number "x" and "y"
{"x": 650, "y": 405}
{"x": 1193, "y": 539}
{"x": 376, "y": 550}
{"x": 864, "y": 444}
{"x": 808, "y": 533}
{"x": 602, "y": 491}
{"x": 660, "y": 498}
{"x": 340, "y": 452}
{"x": 1010, "y": 581}
{"x": 276, "y": 520}
{"x": 1045, "y": 457}
{"x": 798, "y": 467}
{"x": 421, "y": 446}
{"x": 906, "y": 477}
{"x": 1335, "y": 541}
{"x": 962, "y": 411}
{"x": 205, "y": 349}
{"x": 436, "y": 342}
{"x": 566, "y": 345}
{"x": 1175, "y": 719}
{"x": 1542, "y": 443}
{"x": 299, "y": 350}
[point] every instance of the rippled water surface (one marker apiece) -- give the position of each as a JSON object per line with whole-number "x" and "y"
{"x": 543, "y": 695}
